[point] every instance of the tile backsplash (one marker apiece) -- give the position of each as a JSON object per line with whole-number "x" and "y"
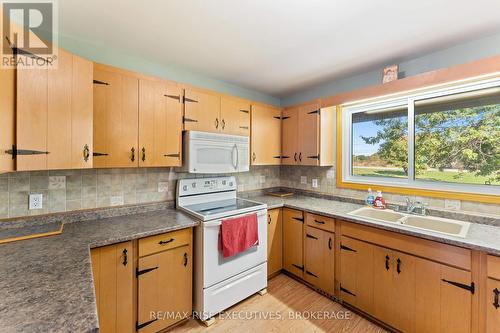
{"x": 69, "y": 190}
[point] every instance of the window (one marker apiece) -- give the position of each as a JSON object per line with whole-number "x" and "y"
{"x": 447, "y": 139}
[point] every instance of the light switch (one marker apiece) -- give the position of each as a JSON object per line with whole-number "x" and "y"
{"x": 315, "y": 183}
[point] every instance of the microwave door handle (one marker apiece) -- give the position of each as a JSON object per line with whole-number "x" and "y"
{"x": 235, "y": 149}
{"x": 237, "y": 157}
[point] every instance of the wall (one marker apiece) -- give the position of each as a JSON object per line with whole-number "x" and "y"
{"x": 92, "y": 188}
{"x": 458, "y": 54}
{"x": 290, "y": 177}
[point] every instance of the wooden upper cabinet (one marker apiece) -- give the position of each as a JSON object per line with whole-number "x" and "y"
{"x": 7, "y": 117}
{"x": 289, "y": 141}
{"x": 308, "y": 135}
{"x": 54, "y": 115}
{"x": 235, "y": 116}
{"x": 265, "y": 138}
{"x": 160, "y": 123}
{"x": 201, "y": 110}
{"x": 116, "y": 118}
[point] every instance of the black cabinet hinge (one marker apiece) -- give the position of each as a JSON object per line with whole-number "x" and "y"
{"x": 316, "y": 157}
{"x": 311, "y": 236}
{"x": 99, "y": 154}
{"x": 471, "y": 287}
{"x": 299, "y": 267}
{"x": 185, "y": 99}
{"x": 343, "y": 247}
{"x": 177, "y": 97}
{"x": 312, "y": 274}
{"x": 315, "y": 112}
{"x": 298, "y": 219}
{"x": 139, "y": 326}
{"x": 16, "y": 152}
{"x": 188, "y": 120}
{"x": 144, "y": 271}
{"x": 245, "y": 111}
{"x": 100, "y": 82}
{"x": 281, "y": 118}
{"x": 346, "y": 291}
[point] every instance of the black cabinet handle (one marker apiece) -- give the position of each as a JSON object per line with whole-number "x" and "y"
{"x": 269, "y": 219}
{"x": 143, "y": 154}
{"x": 125, "y": 258}
{"x": 495, "y": 297}
{"x": 216, "y": 123}
{"x": 330, "y": 243}
{"x": 254, "y": 157}
{"x": 132, "y": 157}
{"x": 387, "y": 262}
{"x": 185, "y": 259}
{"x": 300, "y": 157}
{"x": 320, "y": 222}
{"x": 166, "y": 242}
{"x": 223, "y": 122}
{"x": 398, "y": 267}
{"x": 295, "y": 157}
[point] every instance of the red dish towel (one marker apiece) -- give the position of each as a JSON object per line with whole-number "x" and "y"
{"x": 238, "y": 234}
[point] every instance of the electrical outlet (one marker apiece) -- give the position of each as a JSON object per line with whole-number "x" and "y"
{"x": 262, "y": 179}
{"x": 303, "y": 179}
{"x": 315, "y": 183}
{"x": 163, "y": 187}
{"x": 35, "y": 201}
{"x": 117, "y": 200}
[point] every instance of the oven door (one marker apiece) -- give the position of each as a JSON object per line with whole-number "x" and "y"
{"x": 216, "y": 268}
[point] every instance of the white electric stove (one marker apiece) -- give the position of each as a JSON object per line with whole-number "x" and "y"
{"x": 222, "y": 282}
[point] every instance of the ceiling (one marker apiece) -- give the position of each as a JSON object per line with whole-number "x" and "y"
{"x": 277, "y": 46}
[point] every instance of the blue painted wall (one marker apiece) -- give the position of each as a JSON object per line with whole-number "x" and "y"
{"x": 458, "y": 54}
{"x": 110, "y": 56}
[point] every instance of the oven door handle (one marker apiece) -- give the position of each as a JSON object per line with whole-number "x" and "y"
{"x": 219, "y": 222}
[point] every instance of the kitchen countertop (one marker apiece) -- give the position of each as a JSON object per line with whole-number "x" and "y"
{"x": 480, "y": 236}
{"x": 46, "y": 283}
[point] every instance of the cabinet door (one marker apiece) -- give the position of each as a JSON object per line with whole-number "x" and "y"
{"x": 319, "y": 259}
{"x": 265, "y": 136}
{"x": 289, "y": 140}
{"x": 293, "y": 222}
{"x": 308, "y": 134}
{"x": 7, "y": 115}
{"x": 116, "y": 119}
{"x": 113, "y": 271}
{"x": 403, "y": 292}
{"x": 164, "y": 289}
{"x": 493, "y": 306}
{"x": 274, "y": 241}
{"x": 383, "y": 260}
{"x": 159, "y": 124}
{"x": 32, "y": 118}
{"x": 439, "y": 305}
{"x": 356, "y": 273}
{"x": 201, "y": 111}
{"x": 82, "y": 116}
{"x": 235, "y": 116}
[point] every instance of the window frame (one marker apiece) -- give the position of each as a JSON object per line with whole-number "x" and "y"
{"x": 345, "y": 177}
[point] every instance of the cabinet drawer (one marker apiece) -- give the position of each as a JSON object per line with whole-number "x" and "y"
{"x": 162, "y": 242}
{"x": 494, "y": 267}
{"x": 320, "y": 222}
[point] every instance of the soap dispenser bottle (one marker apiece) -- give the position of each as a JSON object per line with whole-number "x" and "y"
{"x": 379, "y": 201}
{"x": 370, "y": 198}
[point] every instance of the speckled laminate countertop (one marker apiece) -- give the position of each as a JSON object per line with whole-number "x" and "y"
{"x": 480, "y": 236}
{"x": 46, "y": 283}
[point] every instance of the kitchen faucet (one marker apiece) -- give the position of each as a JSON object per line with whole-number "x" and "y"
{"x": 411, "y": 206}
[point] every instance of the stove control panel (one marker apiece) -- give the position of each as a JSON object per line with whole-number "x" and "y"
{"x": 205, "y": 185}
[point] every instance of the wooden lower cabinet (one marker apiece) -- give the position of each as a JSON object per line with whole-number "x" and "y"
{"x": 492, "y": 306}
{"x": 293, "y": 247}
{"x": 356, "y": 273}
{"x": 319, "y": 259}
{"x": 274, "y": 241}
{"x": 114, "y": 280}
{"x": 164, "y": 289}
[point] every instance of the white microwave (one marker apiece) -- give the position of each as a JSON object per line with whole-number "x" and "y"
{"x": 215, "y": 153}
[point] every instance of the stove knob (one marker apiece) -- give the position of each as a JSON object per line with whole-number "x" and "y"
{"x": 193, "y": 185}
{"x": 185, "y": 188}
{"x": 231, "y": 184}
{"x": 224, "y": 182}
